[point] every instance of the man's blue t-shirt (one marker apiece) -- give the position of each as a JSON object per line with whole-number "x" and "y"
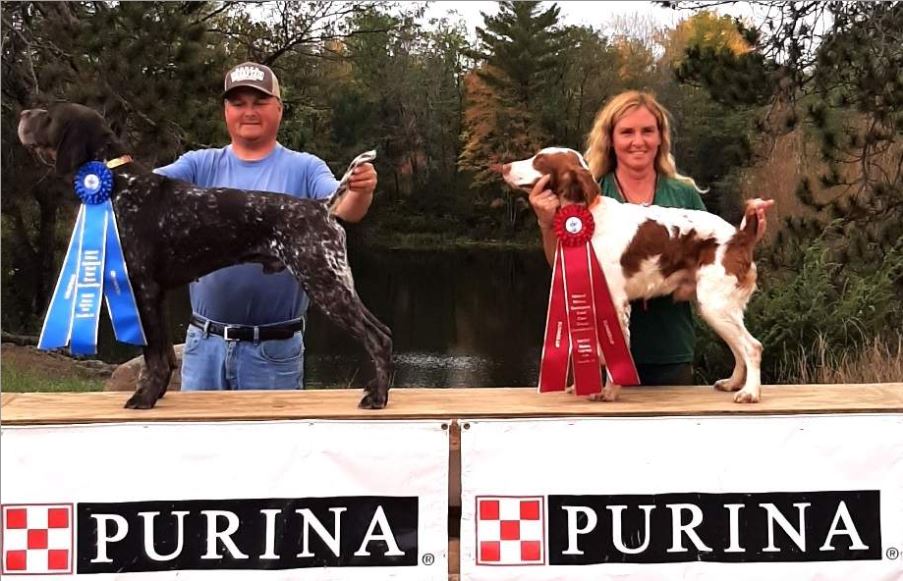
{"x": 243, "y": 294}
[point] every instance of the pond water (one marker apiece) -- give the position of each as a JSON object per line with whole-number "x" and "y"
{"x": 459, "y": 318}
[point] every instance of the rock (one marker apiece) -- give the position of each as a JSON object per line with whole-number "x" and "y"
{"x": 19, "y": 339}
{"x": 125, "y": 377}
{"x": 53, "y": 364}
{"x": 99, "y": 367}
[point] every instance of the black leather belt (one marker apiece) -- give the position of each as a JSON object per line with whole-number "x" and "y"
{"x": 246, "y": 333}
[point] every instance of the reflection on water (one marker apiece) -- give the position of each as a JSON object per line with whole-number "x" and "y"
{"x": 462, "y": 318}
{"x": 423, "y": 370}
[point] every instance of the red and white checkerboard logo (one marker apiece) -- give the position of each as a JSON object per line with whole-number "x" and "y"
{"x": 510, "y": 530}
{"x": 36, "y": 538}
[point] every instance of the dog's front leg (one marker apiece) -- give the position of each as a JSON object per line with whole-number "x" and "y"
{"x": 159, "y": 356}
{"x": 611, "y": 389}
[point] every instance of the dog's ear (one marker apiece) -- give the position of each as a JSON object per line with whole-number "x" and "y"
{"x": 575, "y": 185}
{"x": 589, "y": 189}
{"x": 81, "y": 138}
{"x": 71, "y": 150}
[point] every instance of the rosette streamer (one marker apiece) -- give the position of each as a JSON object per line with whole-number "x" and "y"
{"x": 581, "y": 316}
{"x": 94, "y": 267}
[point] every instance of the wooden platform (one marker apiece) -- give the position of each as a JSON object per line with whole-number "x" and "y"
{"x": 443, "y": 404}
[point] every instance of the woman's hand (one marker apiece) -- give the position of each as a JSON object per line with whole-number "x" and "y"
{"x": 545, "y": 203}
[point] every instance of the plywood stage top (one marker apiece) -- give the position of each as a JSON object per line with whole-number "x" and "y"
{"x": 443, "y": 404}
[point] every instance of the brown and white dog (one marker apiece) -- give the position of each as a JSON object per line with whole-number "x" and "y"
{"x": 651, "y": 251}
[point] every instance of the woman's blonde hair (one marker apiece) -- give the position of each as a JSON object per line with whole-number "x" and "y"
{"x": 600, "y": 152}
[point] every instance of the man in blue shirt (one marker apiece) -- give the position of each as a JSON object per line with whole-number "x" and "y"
{"x": 271, "y": 305}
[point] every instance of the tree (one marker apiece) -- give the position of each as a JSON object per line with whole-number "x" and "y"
{"x": 588, "y": 77}
{"x": 402, "y": 91}
{"x": 834, "y": 67}
{"x": 710, "y": 140}
{"x": 518, "y": 53}
{"x": 132, "y": 61}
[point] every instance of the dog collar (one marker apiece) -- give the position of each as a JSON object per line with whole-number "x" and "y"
{"x": 122, "y": 160}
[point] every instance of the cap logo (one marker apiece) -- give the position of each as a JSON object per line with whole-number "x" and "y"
{"x": 247, "y": 74}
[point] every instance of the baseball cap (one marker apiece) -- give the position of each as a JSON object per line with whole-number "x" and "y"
{"x": 252, "y": 75}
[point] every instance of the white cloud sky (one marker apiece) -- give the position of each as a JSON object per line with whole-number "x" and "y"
{"x": 596, "y": 14}
{"x": 588, "y": 13}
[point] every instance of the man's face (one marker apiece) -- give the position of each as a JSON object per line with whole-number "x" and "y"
{"x": 252, "y": 116}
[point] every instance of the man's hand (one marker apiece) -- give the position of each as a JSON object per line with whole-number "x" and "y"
{"x": 357, "y": 199}
{"x": 544, "y": 201}
{"x": 363, "y": 179}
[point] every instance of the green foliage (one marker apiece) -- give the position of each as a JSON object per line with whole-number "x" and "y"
{"x": 586, "y": 77}
{"x": 711, "y": 141}
{"x": 834, "y": 66}
{"x": 521, "y": 45}
{"x": 815, "y": 302}
{"x": 149, "y": 67}
{"x": 518, "y": 55}
{"x": 358, "y": 75}
{"x": 731, "y": 78}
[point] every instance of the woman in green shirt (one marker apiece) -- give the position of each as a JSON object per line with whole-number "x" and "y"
{"x": 629, "y": 153}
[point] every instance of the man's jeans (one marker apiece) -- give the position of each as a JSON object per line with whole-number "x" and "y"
{"x": 212, "y": 363}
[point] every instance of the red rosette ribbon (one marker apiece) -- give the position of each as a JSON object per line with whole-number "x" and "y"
{"x": 574, "y": 225}
{"x": 581, "y": 318}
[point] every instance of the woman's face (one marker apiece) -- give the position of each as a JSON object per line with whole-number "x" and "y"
{"x": 636, "y": 139}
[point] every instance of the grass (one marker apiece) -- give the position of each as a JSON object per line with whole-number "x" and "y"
{"x": 15, "y": 379}
{"x": 876, "y": 362}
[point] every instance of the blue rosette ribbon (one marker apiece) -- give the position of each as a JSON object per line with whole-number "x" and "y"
{"x": 94, "y": 267}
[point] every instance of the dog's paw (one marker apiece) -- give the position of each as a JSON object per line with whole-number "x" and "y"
{"x": 727, "y": 385}
{"x": 374, "y": 399}
{"x": 747, "y": 396}
{"x": 607, "y": 394}
{"x": 610, "y": 393}
{"x": 140, "y": 401}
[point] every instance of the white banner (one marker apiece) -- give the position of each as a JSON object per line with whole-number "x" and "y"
{"x": 728, "y": 497}
{"x": 305, "y": 500}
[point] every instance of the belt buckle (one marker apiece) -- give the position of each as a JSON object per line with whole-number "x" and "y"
{"x": 226, "y": 336}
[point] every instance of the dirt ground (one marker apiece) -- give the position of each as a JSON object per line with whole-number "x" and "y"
{"x": 52, "y": 364}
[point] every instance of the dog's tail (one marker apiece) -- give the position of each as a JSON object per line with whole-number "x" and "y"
{"x": 738, "y": 257}
{"x": 342, "y": 188}
{"x": 749, "y": 226}
{"x": 333, "y": 202}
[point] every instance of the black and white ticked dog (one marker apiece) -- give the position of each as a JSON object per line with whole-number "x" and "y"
{"x": 173, "y": 232}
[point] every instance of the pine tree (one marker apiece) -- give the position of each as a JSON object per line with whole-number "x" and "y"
{"x": 519, "y": 56}
{"x": 150, "y": 68}
{"x": 835, "y": 67}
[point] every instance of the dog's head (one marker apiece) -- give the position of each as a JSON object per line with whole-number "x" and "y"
{"x": 570, "y": 179}
{"x": 65, "y": 135}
